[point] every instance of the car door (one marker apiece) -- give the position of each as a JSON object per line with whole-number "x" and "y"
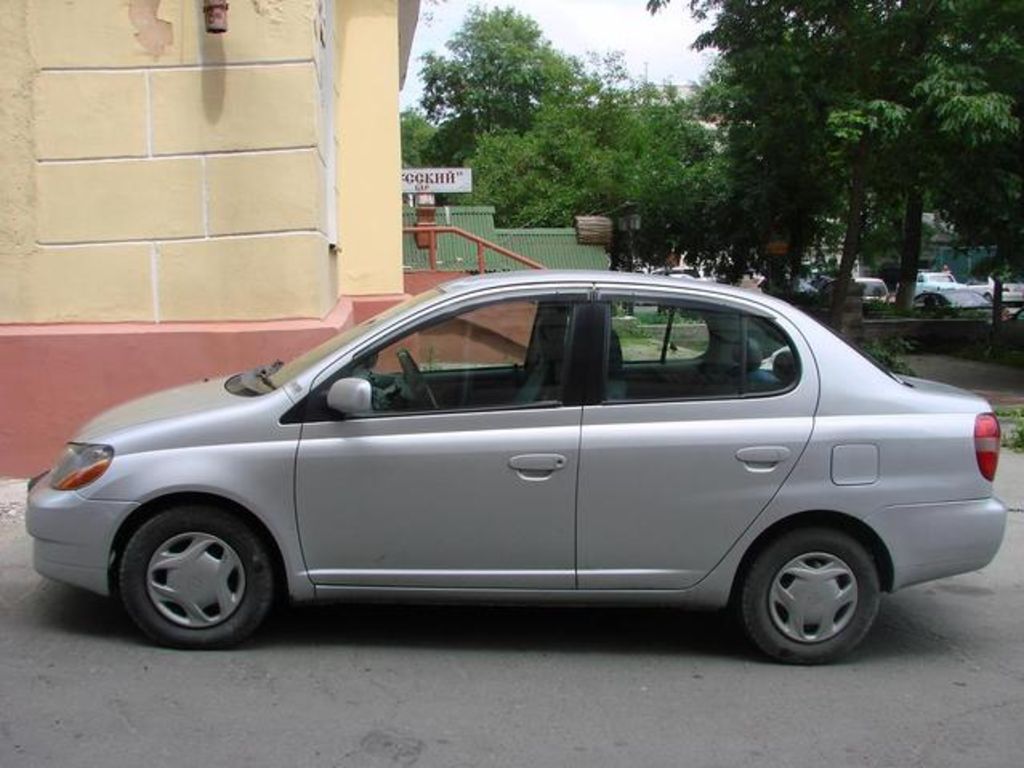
{"x": 705, "y": 409}
{"x": 463, "y": 474}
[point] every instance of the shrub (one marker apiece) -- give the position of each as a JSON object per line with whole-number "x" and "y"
{"x": 1013, "y": 438}
{"x": 889, "y": 353}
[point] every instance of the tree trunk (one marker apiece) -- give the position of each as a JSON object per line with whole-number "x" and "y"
{"x": 911, "y": 252}
{"x": 997, "y": 310}
{"x": 851, "y": 241}
{"x": 796, "y": 250}
{"x": 1004, "y": 254}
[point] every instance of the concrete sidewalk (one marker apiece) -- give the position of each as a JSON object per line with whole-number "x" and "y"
{"x": 1010, "y": 480}
{"x": 1001, "y": 385}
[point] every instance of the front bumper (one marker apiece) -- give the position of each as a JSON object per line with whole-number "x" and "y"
{"x": 932, "y": 541}
{"x": 72, "y": 536}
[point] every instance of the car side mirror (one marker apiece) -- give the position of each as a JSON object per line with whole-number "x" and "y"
{"x": 351, "y": 396}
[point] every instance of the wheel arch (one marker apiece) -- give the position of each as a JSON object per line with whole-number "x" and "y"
{"x": 153, "y": 507}
{"x": 845, "y": 523}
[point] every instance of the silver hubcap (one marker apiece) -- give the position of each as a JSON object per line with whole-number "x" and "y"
{"x": 195, "y": 580}
{"x": 813, "y": 597}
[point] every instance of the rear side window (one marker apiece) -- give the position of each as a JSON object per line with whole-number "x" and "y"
{"x": 670, "y": 350}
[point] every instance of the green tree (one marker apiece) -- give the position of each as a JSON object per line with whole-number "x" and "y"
{"x": 780, "y": 184}
{"x": 549, "y": 137}
{"x": 959, "y": 105}
{"x": 622, "y": 142}
{"x": 498, "y": 71}
{"x": 977, "y": 93}
{"x": 417, "y": 134}
{"x": 567, "y": 162}
{"x": 892, "y": 99}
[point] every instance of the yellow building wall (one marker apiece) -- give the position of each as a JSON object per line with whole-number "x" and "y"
{"x": 153, "y": 172}
{"x": 17, "y": 163}
{"x": 160, "y": 173}
{"x": 369, "y": 148}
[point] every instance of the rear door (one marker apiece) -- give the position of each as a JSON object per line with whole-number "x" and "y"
{"x": 703, "y": 410}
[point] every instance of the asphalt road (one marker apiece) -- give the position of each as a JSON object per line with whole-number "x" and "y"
{"x": 939, "y": 682}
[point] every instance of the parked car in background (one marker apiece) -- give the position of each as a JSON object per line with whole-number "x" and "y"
{"x": 693, "y": 273}
{"x": 958, "y": 298}
{"x": 588, "y": 437}
{"x": 1013, "y": 290}
{"x": 874, "y": 289}
{"x": 935, "y": 282}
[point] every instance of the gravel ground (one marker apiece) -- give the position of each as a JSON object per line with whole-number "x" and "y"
{"x": 12, "y": 501}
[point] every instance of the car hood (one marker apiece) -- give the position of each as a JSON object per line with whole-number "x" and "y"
{"x": 169, "y": 403}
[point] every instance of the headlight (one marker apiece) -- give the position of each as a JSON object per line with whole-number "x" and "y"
{"x": 79, "y": 465}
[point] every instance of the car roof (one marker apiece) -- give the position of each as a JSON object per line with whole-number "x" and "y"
{"x": 541, "y": 277}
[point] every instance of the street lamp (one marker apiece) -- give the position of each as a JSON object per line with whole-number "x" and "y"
{"x": 629, "y": 222}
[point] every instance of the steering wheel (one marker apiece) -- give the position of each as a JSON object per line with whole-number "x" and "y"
{"x": 414, "y": 378}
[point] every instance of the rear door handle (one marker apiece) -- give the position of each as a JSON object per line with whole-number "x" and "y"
{"x": 763, "y": 458}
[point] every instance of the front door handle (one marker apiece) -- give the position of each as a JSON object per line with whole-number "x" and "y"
{"x": 537, "y": 462}
{"x": 536, "y": 466}
{"x": 763, "y": 458}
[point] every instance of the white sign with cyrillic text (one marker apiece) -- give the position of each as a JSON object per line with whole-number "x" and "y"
{"x": 434, "y": 180}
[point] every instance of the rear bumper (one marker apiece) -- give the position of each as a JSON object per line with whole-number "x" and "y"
{"x": 932, "y": 541}
{"x": 72, "y": 536}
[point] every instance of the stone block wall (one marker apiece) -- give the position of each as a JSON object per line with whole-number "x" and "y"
{"x": 176, "y": 175}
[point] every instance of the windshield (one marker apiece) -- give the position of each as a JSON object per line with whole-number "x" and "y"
{"x": 875, "y": 289}
{"x": 325, "y": 350}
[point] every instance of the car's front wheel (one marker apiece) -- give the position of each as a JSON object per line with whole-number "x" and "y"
{"x": 810, "y": 596}
{"x": 196, "y": 577}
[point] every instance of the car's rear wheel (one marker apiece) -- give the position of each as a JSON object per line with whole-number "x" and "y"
{"x": 810, "y": 596}
{"x": 196, "y": 577}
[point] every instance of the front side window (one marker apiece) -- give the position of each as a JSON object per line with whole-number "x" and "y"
{"x": 506, "y": 354}
{"x": 670, "y": 350}
{"x": 321, "y": 352}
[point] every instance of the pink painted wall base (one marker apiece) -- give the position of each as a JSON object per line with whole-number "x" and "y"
{"x": 57, "y": 377}
{"x": 54, "y": 378}
{"x": 418, "y": 282}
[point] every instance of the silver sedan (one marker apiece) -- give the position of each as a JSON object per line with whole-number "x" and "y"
{"x": 551, "y": 437}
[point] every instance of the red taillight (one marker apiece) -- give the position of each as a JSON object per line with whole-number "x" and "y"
{"x": 986, "y": 444}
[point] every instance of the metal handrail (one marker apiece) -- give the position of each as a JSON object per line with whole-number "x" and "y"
{"x": 482, "y": 246}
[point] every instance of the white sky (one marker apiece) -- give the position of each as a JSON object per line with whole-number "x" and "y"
{"x": 662, "y": 42}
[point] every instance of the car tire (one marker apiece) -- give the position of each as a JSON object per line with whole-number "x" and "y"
{"x": 196, "y": 577}
{"x": 810, "y": 596}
